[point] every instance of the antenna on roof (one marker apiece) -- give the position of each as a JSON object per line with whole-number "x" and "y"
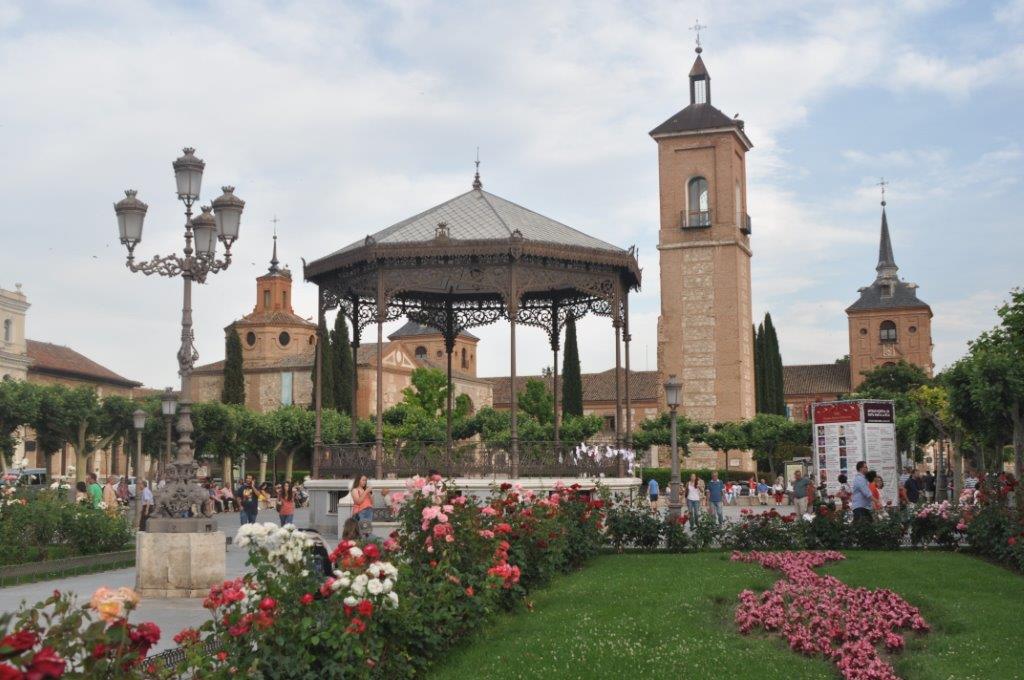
{"x": 697, "y": 28}
{"x": 477, "y": 184}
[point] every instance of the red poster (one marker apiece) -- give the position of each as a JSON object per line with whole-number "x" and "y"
{"x": 837, "y": 412}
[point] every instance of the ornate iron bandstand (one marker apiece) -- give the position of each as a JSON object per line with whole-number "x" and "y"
{"x": 470, "y": 262}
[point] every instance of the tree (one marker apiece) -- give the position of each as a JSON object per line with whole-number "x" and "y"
{"x": 428, "y": 391}
{"x": 216, "y": 434}
{"x": 1001, "y": 352}
{"x": 774, "y": 394}
{"x": 234, "y": 378}
{"x": 572, "y": 382}
{"x": 91, "y": 424}
{"x": 537, "y": 402}
{"x": 326, "y": 368}
{"x": 768, "y": 435}
{"x": 725, "y": 437}
{"x": 293, "y": 428}
{"x": 897, "y": 383}
{"x": 342, "y": 363}
{"x": 50, "y": 420}
{"x": 759, "y": 378}
{"x": 658, "y": 431}
{"x": 19, "y": 401}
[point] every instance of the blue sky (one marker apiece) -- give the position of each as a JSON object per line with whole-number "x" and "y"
{"x": 342, "y": 118}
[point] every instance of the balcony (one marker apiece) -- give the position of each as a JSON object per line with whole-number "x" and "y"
{"x": 745, "y": 224}
{"x": 695, "y": 219}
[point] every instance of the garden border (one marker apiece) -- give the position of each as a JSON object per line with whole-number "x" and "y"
{"x": 13, "y": 572}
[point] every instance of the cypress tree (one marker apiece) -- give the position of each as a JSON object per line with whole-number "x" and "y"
{"x": 572, "y": 383}
{"x": 776, "y": 393}
{"x": 342, "y": 362}
{"x": 326, "y": 370}
{"x": 233, "y": 391}
{"x": 758, "y": 369}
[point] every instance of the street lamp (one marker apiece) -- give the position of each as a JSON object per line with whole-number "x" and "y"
{"x": 198, "y": 259}
{"x": 168, "y": 407}
{"x": 673, "y": 392}
{"x": 139, "y": 420}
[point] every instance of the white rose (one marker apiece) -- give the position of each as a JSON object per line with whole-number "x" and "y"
{"x": 375, "y": 587}
{"x": 393, "y": 598}
{"x": 351, "y": 601}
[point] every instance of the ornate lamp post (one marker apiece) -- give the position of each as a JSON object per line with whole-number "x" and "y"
{"x": 139, "y": 421}
{"x": 168, "y": 407}
{"x": 673, "y": 390}
{"x": 198, "y": 259}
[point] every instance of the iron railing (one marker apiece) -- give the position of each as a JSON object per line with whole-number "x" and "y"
{"x": 465, "y": 459}
{"x": 696, "y": 219}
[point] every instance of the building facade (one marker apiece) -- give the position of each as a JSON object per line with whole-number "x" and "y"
{"x": 704, "y": 245}
{"x": 888, "y": 323}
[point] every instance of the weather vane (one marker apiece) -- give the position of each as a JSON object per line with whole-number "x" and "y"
{"x": 477, "y": 184}
{"x": 275, "y": 221}
{"x": 697, "y": 28}
{"x": 883, "y": 184}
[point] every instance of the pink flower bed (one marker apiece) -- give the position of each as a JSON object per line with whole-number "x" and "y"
{"x": 821, "y": 615}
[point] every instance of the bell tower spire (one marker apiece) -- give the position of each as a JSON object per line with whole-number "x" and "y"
{"x": 700, "y": 80}
{"x": 886, "y": 266}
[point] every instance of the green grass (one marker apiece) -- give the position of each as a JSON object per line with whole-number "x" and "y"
{"x": 670, "y": 616}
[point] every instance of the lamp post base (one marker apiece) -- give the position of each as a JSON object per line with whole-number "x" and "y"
{"x": 675, "y": 509}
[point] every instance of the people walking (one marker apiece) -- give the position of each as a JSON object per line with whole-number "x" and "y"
{"x": 802, "y": 490}
{"x": 110, "y": 495}
{"x": 861, "y": 501}
{"x": 362, "y": 499}
{"x": 123, "y": 492}
{"x": 653, "y": 491}
{"x": 248, "y": 500}
{"x": 286, "y": 504}
{"x": 913, "y": 486}
{"x": 147, "y": 504}
{"x": 82, "y": 493}
{"x": 693, "y": 496}
{"x": 94, "y": 489}
{"x": 716, "y": 491}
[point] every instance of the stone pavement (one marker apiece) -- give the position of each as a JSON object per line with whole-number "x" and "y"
{"x": 171, "y": 615}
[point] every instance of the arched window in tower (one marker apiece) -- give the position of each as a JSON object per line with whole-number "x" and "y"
{"x": 697, "y": 204}
{"x": 465, "y": 358}
{"x": 421, "y": 352}
{"x": 887, "y": 331}
{"x": 8, "y": 330}
{"x": 266, "y": 299}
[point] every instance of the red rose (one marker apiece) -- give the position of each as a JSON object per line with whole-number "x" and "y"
{"x": 365, "y": 608}
{"x": 187, "y": 636}
{"x": 268, "y": 603}
{"x": 45, "y": 664}
{"x": 1012, "y": 540}
{"x": 503, "y": 528}
{"x": 357, "y": 626}
{"x": 222, "y": 656}
{"x": 372, "y": 551}
{"x": 10, "y": 673}
{"x": 306, "y": 599}
{"x": 505, "y": 486}
{"x": 18, "y": 642}
{"x": 470, "y": 591}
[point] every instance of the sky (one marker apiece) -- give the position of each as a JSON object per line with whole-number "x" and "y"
{"x": 343, "y": 118}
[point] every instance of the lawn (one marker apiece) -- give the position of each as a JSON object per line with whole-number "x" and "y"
{"x": 670, "y": 616}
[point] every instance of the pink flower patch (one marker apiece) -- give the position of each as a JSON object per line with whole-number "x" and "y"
{"x": 822, "y": 616}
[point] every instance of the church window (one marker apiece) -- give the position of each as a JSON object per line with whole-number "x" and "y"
{"x": 250, "y": 339}
{"x": 439, "y": 354}
{"x": 912, "y": 329}
{"x": 698, "y": 208}
{"x": 465, "y": 358}
{"x": 863, "y": 331}
{"x": 8, "y": 332}
{"x": 284, "y": 297}
{"x": 266, "y": 299}
{"x": 887, "y": 331}
{"x": 284, "y": 338}
{"x": 421, "y": 352}
{"x": 286, "y": 388}
{"x": 312, "y": 339}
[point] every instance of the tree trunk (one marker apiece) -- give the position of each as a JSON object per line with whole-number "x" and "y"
{"x": 289, "y": 462}
{"x": 957, "y": 463}
{"x": 226, "y": 463}
{"x": 263, "y": 468}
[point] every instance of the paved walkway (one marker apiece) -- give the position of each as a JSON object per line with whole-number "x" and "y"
{"x": 170, "y": 614}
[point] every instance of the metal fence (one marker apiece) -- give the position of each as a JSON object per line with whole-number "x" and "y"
{"x": 467, "y": 459}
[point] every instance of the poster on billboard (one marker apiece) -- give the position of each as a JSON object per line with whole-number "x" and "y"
{"x": 880, "y": 446}
{"x": 844, "y": 433}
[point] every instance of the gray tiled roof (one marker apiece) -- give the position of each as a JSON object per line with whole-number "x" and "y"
{"x": 411, "y": 328}
{"x": 479, "y": 215}
{"x": 875, "y": 297}
{"x": 696, "y": 117}
{"x": 831, "y": 378}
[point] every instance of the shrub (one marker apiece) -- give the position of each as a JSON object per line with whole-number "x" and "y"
{"x": 762, "y": 531}
{"x": 882, "y": 534}
{"x": 632, "y": 524}
{"x": 936, "y": 523}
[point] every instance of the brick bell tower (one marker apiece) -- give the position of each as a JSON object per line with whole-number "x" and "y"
{"x": 704, "y": 330}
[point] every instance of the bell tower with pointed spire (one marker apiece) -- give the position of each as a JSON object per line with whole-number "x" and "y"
{"x": 888, "y": 323}
{"x": 704, "y": 330}
{"x": 274, "y": 289}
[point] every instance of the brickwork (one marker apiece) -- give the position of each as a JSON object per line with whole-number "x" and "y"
{"x": 913, "y": 340}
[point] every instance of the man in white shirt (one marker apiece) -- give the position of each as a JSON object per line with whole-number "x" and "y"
{"x": 147, "y": 504}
